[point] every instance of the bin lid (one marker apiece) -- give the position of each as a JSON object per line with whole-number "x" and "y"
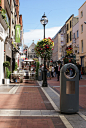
{"x": 69, "y": 65}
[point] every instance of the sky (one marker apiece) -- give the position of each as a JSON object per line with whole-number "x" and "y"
{"x": 57, "y": 12}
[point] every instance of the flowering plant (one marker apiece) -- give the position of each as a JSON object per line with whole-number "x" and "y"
{"x": 69, "y": 50}
{"x": 44, "y": 48}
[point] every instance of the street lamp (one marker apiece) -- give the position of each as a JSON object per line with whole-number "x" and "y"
{"x": 44, "y": 21}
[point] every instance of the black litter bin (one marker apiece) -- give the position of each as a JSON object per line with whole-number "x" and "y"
{"x": 69, "y": 88}
{"x": 39, "y": 74}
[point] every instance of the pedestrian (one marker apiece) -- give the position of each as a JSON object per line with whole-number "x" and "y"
{"x": 59, "y": 67}
{"x": 50, "y": 69}
{"x": 42, "y": 70}
{"x": 79, "y": 67}
{"x": 52, "y": 72}
{"x": 55, "y": 70}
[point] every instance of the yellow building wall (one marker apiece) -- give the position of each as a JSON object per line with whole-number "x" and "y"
{"x": 69, "y": 29}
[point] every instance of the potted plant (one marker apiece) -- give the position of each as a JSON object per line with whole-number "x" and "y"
{"x": 6, "y": 64}
{"x": 8, "y": 75}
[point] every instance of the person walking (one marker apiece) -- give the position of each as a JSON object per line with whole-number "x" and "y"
{"x": 52, "y": 72}
{"x": 59, "y": 67}
{"x": 79, "y": 67}
{"x": 55, "y": 70}
{"x": 50, "y": 69}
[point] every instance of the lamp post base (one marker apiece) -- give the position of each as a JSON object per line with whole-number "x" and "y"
{"x": 44, "y": 84}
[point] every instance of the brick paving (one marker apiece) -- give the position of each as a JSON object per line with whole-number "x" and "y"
{"x": 27, "y": 98}
{"x": 31, "y": 122}
{"x": 30, "y": 96}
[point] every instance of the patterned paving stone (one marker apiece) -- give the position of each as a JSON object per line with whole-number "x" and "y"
{"x": 76, "y": 121}
{"x": 31, "y": 122}
{"x": 26, "y": 98}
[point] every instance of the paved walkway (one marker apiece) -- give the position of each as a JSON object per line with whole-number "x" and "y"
{"x": 29, "y": 105}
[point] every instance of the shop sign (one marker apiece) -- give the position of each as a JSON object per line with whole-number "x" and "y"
{"x": 17, "y": 33}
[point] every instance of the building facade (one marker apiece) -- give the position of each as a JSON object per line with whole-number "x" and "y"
{"x": 69, "y": 29}
{"x": 8, "y": 47}
{"x": 31, "y": 52}
{"x": 63, "y": 40}
{"x": 82, "y": 35}
{"x": 76, "y": 41}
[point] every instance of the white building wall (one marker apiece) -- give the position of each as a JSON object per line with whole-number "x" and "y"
{"x": 1, "y": 53}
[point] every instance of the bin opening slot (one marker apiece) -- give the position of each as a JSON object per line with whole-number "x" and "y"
{"x": 70, "y": 73}
{"x": 70, "y": 87}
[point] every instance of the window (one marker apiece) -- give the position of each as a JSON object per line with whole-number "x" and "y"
{"x": 70, "y": 36}
{"x": 74, "y": 35}
{"x": 32, "y": 50}
{"x": 67, "y": 38}
{"x": 75, "y": 51}
{"x": 81, "y": 45}
{"x": 81, "y": 14}
{"x": 67, "y": 27}
{"x": 81, "y": 28}
{"x": 77, "y": 33}
{"x": 70, "y": 24}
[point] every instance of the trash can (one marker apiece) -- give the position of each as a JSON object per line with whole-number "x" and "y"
{"x": 69, "y": 89}
{"x": 39, "y": 74}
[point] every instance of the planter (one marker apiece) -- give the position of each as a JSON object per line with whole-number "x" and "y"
{"x": 7, "y": 81}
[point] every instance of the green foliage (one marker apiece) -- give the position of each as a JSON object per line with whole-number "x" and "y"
{"x": 8, "y": 73}
{"x": 16, "y": 66}
{"x": 3, "y": 13}
{"x": 44, "y": 48}
{"x": 6, "y": 64}
{"x": 37, "y": 67}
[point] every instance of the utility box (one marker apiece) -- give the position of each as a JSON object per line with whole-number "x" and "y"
{"x": 69, "y": 88}
{"x": 39, "y": 74}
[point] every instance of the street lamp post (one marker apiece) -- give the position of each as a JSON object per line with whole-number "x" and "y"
{"x": 44, "y": 21}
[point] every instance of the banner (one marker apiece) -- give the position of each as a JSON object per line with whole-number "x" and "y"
{"x": 17, "y": 33}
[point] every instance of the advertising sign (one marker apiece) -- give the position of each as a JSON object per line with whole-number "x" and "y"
{"x": 17, "y": 34}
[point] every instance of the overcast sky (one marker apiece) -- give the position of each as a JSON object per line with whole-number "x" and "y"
{"x": 57, "y": 12}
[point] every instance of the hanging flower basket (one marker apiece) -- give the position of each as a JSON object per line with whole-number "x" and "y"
{"x": 44, "y": 48}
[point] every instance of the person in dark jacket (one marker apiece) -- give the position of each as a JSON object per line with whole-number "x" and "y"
{"x": 58, "y": 70}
